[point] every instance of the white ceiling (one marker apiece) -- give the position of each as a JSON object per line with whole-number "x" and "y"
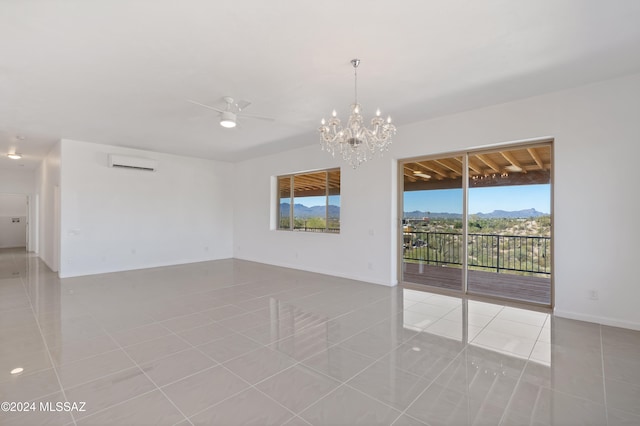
{"x": 120, "y": 71}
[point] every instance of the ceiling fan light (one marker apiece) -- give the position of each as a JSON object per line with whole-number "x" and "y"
{"x": 14, "y": 156}
{"x": 228, "y": 119}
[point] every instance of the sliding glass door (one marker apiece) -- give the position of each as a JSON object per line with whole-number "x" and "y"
{"x": 509, "y": 224}
{"x": 432, "y": 222}
{"x": 480, "y": 222}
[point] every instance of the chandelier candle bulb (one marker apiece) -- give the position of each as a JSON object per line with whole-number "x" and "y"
{"x": 355, "y": 141}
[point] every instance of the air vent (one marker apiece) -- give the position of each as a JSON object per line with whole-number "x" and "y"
{"x": 135, "y": 163}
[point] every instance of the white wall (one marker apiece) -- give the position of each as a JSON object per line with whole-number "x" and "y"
{"x": 597, "y": 140}
{"x": 12, "y": 208}
{"x": 13, "y": 205}
{"x": 348, "y": 254}
{"x": 14, "y": 181}
{"x": 117, "y": 219}
{"x": 47, "y": 179}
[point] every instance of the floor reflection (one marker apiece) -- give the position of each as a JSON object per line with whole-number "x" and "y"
{"x": 515, "y": 366}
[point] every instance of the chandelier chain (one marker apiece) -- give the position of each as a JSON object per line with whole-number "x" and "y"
{"x": 355, "y": 77}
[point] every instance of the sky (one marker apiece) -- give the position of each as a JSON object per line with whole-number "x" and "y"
{"x": 481, "y": 200}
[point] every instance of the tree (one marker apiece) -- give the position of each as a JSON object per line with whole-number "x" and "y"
{"x": 316, "y": 222}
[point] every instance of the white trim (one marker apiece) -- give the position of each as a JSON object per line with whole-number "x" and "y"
{"x": 150, "y": 266}
{"x": 597, "y": 319}
{"x": 318, "y": 271}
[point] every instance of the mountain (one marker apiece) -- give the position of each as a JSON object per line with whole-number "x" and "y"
{"x": 303, "y": 211}
{"x": 496, "y": 214}
{"x": 417, "y": 214}
{"x": 526, "y": 213}
{"x": 300, "y": 210}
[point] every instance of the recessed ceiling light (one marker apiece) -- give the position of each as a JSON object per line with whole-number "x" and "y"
{"x": 17, "y": 370}
{"x": 14, "y": 156}
{"x": 416, "y": 349}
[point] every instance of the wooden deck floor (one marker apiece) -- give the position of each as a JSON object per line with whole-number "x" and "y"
{"x": 505, "y": 285}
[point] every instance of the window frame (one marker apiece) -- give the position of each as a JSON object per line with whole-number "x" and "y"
{"x": 291, "y": 185}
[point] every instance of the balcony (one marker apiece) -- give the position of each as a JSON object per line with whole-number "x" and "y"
{"x": 512, "y": 266}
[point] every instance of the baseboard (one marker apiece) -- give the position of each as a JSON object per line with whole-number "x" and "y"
{"x": 613, "y": 322}
{"x": 181, "y": 262}
{"x": 318, "y": 271}
{"x": 46, "y": 263}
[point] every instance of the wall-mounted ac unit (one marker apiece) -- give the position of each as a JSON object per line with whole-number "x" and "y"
{"x": 136, "y": 163}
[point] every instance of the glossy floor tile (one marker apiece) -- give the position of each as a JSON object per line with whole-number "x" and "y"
{"x": 236, "y": 343}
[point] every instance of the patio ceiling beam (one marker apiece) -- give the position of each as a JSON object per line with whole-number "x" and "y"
{"x": 435, "y": 169}
{"x": 453, "y": 167}
{"x": 536, "y": 157}
{"x": 511, "y": 159}
{"x": 489, "y": 162}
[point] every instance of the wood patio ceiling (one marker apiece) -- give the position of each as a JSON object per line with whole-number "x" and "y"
{"x": 517, "y": 166}
{"x": 311, "y": 184}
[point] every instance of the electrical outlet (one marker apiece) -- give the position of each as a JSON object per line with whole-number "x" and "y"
{"x": 370, "y": 266}
{"x": 593, "y": 295}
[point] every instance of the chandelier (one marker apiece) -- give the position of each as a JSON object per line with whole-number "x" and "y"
{"x": 355, "y": 142}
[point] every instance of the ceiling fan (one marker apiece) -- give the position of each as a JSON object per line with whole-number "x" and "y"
{"x": 230, "y": 112}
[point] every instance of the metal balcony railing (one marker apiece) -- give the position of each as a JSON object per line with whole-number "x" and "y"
{"x": 312, "y": 229}
{"x": 486, "y": 251}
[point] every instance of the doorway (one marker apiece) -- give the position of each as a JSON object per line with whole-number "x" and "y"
{"x": 14, "y": 213}
{"x": 479, "y": 222}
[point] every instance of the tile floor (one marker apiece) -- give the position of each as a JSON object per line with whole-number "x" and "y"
{"x": 235, "y": 343}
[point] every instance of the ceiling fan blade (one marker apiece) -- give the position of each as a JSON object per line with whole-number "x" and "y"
{"x": 257, "y": 117}
{"x": 242, "y": 104}
{"x": 206, "y": 106}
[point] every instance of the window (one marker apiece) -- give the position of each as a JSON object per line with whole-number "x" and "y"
{"x": 310, "y": 202}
